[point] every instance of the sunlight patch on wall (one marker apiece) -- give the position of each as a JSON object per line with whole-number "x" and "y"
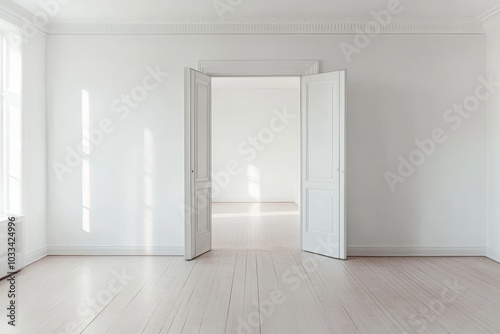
{"x": 85, "y": 161}
{"x": 253, "y": 182}
{"x": 148, "y": 187}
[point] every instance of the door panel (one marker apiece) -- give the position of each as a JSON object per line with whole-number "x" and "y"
{"x": 202, "y": 129}
{"x": 198, "y": 164}
{"x": 322, "y": 209}
{"x": 322, "y": 137}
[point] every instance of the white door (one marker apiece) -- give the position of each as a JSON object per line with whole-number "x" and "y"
{"x": 198, "y": 164}
{"x": 323, "y": 163}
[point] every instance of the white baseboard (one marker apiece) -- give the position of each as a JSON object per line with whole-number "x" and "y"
{"x": 179, "y": 251}
{"x": 35, "y": 256}
{"x": 493, "y": 254}
{"x": 252, "y": 200}
{"x": 416, "y": 251}
{"x": 256, "y": 214}
{"x": 115, "y": 251}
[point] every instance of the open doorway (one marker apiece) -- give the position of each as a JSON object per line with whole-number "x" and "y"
{"x": 322, "y": 153}
{"x": 256, "y": 163}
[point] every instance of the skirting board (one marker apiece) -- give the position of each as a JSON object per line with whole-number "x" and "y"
{"x": 35, "y": 256}
{"x": 493, "y": 254}
{"x": 115, "y": 251}
{"x": 416, "y": 251}
{"x": 251, "y": 200}
{"x": 351, "y": 251}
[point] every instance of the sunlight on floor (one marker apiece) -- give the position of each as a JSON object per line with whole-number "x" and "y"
{"x": 259, "y": 226}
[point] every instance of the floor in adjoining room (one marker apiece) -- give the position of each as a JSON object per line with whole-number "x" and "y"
{"x": 257, "y": 282}
{"x": 257, "y": 226}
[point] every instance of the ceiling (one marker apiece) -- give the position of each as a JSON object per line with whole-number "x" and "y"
{"x": 78, "y": 10}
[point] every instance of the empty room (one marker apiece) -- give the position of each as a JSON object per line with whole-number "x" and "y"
{"x": 238, "y": 167}
{"x": 256, "y": 160}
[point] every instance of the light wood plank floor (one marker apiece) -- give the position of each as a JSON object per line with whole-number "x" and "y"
{"x": 246, "y": 285}
{"x": 256, "y": 226}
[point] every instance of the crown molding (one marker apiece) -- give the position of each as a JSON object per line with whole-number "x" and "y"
{"x": 267, "y": 25}
{"x": 10, "y": 22}
{"x": 31, "y": 6}
{"x": 490, "y": 20}
{"x": 18, "y": 16}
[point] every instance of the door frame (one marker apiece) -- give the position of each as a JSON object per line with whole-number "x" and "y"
{"x": 260, "y": 68}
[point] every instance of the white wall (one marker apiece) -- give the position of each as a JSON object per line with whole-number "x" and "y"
{"x": 269, "y": 169}
{"x": 398, "y": 90}
{"x": 493, "y": 152}
{"x": 36, "y": 146}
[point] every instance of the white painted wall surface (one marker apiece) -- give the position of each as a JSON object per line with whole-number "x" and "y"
{"x": 398, "y": 90}
{"x": 247, "y": 129}
{"x": 35, "y": 222}
{"x": 493, "y": 152}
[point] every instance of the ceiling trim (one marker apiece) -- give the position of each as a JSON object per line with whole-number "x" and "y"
{"x": 31, "y": 6}
{"x": 269, "y": 25}
{"x": 19, "y": 16}
{"x": 10, "y": 19}
{"x": 491, "y": 20}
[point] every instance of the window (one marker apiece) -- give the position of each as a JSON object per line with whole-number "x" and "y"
{"x": 10, "y": 126}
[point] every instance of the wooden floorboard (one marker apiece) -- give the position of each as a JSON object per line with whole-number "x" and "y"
{"x": 256, "y": 280}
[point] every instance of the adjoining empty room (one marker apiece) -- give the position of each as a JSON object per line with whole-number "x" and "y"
{"x": 256, "y": 162}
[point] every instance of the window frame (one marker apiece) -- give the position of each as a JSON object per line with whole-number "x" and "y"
{"x": 15, "y": 99}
